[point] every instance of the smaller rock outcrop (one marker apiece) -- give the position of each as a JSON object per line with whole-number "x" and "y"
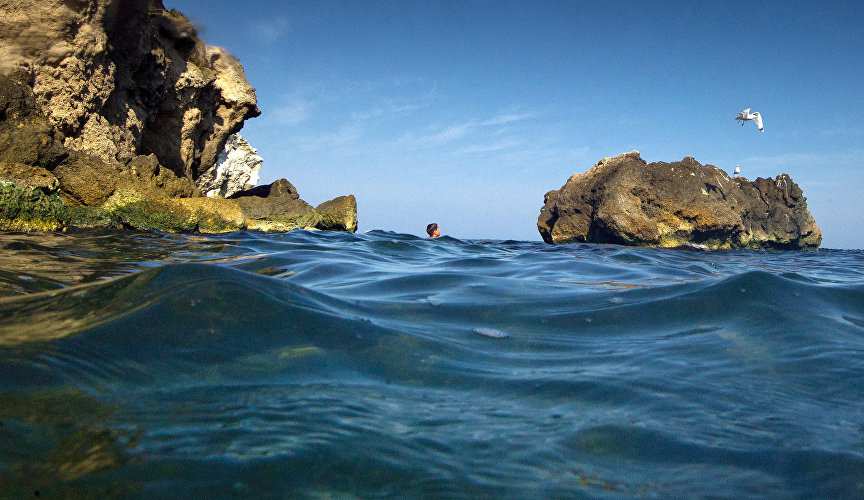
{"x": 236, "y": 169}
{"x": 278, "y": 207}
{"x": 626, "y": 200}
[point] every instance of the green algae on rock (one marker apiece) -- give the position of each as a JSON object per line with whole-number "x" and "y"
{"x": 30, "y": 208}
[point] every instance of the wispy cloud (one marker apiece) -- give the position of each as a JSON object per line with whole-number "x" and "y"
{"x": 436, "y": 136}
{"x": 391, "y": 110}
{"x": 500, "y": 145}
{"x": 292, "y": 111}
{"x": 269, "y": 31}
{"x": 506, "y": 118}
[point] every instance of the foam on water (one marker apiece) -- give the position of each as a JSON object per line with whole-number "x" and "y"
{"x": 310, "y": 364}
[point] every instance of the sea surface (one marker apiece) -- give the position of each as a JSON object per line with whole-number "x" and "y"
{"x": 334, "y": 365}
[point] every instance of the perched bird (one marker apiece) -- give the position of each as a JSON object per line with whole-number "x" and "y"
{"x": 737, "y": 170}
{"x": 746, "y": 115}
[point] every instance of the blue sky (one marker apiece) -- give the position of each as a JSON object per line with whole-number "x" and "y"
{"x": 466, "y": 113}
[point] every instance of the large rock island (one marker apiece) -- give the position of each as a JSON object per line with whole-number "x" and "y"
{"x": 626, "y": 200}
{"x": 113, "y": 113}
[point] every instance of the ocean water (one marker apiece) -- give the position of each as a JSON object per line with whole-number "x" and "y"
{"x": 332, "y": 365}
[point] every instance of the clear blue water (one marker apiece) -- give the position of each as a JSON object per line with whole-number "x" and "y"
{"x": 331, "y": 365}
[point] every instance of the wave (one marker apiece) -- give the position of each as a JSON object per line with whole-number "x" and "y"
{"x": 366, "y": 365}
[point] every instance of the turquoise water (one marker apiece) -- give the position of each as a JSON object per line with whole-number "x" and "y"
{"x": 331, "y": 365}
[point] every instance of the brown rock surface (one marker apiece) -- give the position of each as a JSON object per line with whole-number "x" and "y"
{"x": 121, "y": 78}
{"x": 628, "y": 201}
{"x": 338, "y": 214}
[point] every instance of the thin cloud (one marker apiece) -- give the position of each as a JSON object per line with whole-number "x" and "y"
{"x": 390, "y": 110}
{"x": 504, "y": 119}
{"x": 270, "y": 31}
{"x": 489, "y": 147}
{"x": 292, "y": 112}
{"x": 458, "y": 131}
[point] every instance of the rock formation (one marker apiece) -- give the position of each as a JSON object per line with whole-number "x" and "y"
{"x": 121, "y": 78}
{"x": 278, "y": 207}
{"x": 115, "y": 113}
{"x": 626, "y": 200}
{"x": 236, "y": 169}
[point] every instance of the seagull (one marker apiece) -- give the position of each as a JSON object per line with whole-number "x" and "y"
{"x": 746, "y": 115}
{"x": 737, "y": 170}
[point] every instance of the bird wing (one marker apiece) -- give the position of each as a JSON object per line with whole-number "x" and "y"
{"x": 759, "y": 122}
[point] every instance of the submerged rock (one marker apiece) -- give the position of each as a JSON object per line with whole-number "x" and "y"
{"x": 626, "y": 200}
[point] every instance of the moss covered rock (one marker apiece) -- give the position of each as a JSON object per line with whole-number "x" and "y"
{"x": 214, "y": 215}
{"x": 30, "y": 208}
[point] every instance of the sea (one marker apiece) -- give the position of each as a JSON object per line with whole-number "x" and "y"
{"x": 383, "y": 365}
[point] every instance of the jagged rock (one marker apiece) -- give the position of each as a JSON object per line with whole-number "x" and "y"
{"x": 628, "y": 201}
{"x": 338, "y": 214}
{"x": 121, "y": 78}
{"x": 236, "y": 169}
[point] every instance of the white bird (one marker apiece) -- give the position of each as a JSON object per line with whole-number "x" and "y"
{"x": 746, "y": 115}
{"x": 737, "y": 170}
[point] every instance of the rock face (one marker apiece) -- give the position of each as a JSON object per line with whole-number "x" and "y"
{"x": 122, "y": 78}
{"x": 626, "y": 200}
{"x": 113, "y": 114}
{"x": 236, "y": 169}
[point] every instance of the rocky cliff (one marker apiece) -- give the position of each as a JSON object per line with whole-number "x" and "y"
{"x": 116, "y": 109}
{"x": 122, "y": 78}
{"x": 629, "y": 201}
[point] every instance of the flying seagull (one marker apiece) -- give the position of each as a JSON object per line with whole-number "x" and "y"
{"x": 746, "y": 115}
